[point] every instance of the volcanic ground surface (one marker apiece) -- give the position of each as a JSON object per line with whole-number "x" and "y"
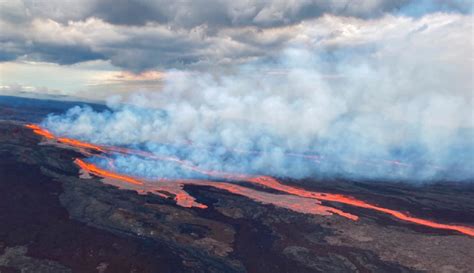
{"x": 59, "y": 214}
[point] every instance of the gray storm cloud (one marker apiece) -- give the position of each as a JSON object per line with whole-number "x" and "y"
{"x": 397, "y": 108}
{"x": 139, "y": 35}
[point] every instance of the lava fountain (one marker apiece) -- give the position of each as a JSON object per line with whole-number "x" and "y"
{"x": 290, "y": 197}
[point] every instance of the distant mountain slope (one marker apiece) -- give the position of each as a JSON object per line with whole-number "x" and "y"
{"x": 34, "y": 110}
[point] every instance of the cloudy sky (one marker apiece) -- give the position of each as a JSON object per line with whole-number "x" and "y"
{"x": 91, "y": 48}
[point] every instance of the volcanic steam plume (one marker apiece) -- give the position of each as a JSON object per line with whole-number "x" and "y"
{"x": 295, "y": 120}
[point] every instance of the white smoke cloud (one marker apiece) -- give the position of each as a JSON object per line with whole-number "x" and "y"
{"x": 386, "y": 102}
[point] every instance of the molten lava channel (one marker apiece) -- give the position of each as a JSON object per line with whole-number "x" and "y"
{"x": 289, "y": 197}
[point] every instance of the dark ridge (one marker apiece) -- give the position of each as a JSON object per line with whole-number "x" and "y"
{"x": 35, "y": 110}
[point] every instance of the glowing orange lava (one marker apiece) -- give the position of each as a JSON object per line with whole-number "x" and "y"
{"x": 293, "y": 198}
{"x": 182, "y": 198}
{"x": 40, "y": 131}
{"x": 104, "y": 173}
{"x": 68, "y": 141}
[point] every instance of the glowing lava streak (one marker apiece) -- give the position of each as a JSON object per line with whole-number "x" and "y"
{"x": 182, "y": 198}
{"x": 68, "y": 141}
{"x": 348, "y": 200}
{"x": 100, "y": 172}
{"x": 288, "y": 201}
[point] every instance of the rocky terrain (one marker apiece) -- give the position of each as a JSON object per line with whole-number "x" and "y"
{"x": 52, "y": 220}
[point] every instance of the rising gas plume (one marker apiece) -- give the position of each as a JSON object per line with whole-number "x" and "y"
{"x": 296, "y": 124}
{"x": 391, "y": 106}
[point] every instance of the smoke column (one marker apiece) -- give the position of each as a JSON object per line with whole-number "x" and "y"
{"x": 394, "y": 110}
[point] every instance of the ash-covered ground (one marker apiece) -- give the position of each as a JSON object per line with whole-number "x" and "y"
{"x": 52, "y": 220}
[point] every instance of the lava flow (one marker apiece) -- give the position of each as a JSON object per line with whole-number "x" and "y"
{"x": 68, "y": 141}
{"x": 104, "y": 173}
{"x": 165, "y": 187}
{"x": 290, "y": 197}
